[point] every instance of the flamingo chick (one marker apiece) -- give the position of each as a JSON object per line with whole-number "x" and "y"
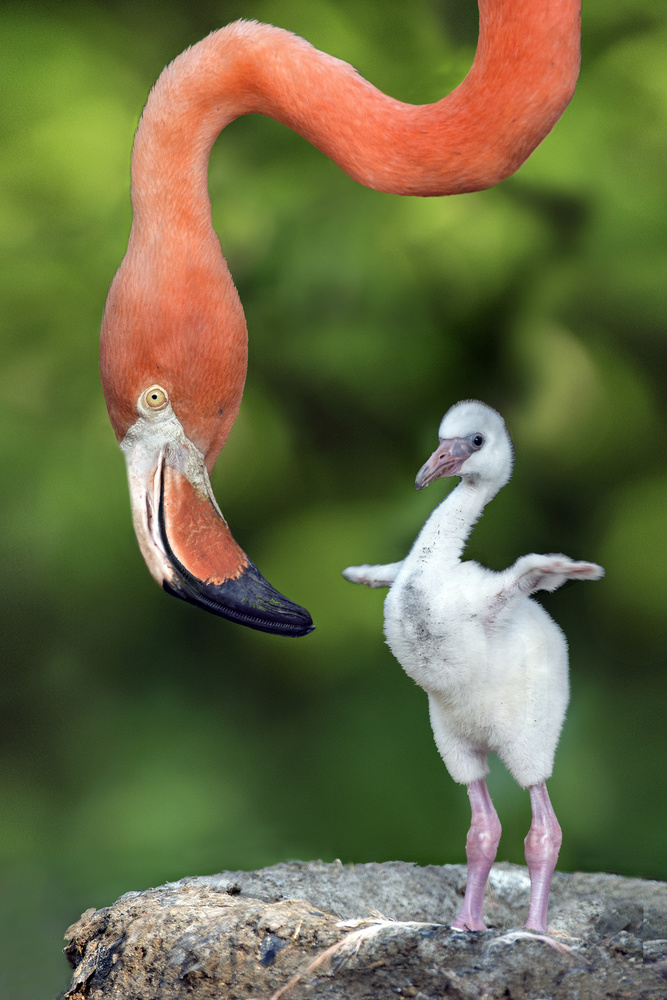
{"x": 492, "y": 661}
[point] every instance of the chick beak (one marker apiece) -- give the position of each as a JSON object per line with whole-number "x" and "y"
{"x": 446, "y": 460}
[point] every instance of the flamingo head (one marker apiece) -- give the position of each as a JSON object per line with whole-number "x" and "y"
{"x": 172, "y": 399}
{"x": 473, "y": 444}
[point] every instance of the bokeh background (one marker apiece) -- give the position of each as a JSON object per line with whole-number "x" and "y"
{"x": 143, "y": 740}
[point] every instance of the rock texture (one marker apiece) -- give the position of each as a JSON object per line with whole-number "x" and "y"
{"x": 367, "y": 931}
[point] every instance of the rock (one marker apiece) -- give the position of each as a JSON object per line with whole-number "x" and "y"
{"x": 354, "y": 932}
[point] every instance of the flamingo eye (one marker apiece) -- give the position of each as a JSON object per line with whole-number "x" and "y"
{"x": 155, "y": 398}
{"x": 477, "y": 440}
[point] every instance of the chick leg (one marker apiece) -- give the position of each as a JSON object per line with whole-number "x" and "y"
{"x": 542, "y": 847}
{"x": 481, "y": 847}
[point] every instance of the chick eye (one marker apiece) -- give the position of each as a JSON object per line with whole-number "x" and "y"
{"x": 477, "y": 440}
{"x": 155, "y": 398}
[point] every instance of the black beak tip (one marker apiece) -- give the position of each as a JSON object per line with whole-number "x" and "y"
{"x": 248, "y": 600}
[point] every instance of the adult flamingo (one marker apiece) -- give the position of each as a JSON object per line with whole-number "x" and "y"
{"x": 174, "y": 339}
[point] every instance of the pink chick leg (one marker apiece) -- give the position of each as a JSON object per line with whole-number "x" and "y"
{"x": 481, "y": 847}
{"x": 542, "y": 846}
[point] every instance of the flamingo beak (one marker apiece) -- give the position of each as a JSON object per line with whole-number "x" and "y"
{"x": 187, "y": 544}
{"x": 446, "y": 460}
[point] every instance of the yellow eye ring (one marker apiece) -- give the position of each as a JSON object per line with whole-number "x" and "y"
{"x": 155, "y": 397}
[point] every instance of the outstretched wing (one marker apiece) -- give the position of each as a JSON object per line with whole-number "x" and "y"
{"x": 373, "y": 576}
{"x": 543, "y": 572}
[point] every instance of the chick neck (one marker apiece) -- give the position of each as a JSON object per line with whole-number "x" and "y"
{"x": 448, "y": 528}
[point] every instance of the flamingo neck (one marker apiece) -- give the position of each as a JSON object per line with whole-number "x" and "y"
{"x": 448, "y": 528}
{"x": 173, "y": 315}
{"x": 522, "y": 78}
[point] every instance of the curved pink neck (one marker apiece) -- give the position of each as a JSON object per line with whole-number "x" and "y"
{"x": 173, "y": 315}
{"x": 521, "y": 81}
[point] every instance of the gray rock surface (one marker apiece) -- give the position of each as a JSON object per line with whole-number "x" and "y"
{"x": 336, "y": 931}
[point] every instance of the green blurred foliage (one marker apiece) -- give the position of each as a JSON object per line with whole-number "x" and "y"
{"x": 143, "y": 740}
